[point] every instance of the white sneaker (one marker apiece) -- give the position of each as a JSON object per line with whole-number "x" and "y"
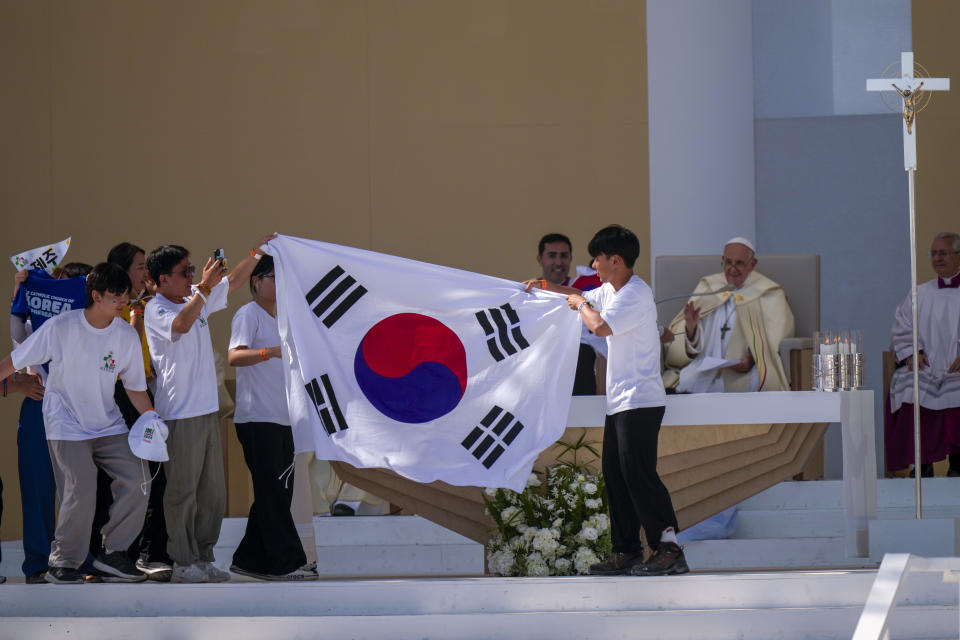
{"x": 214, "y": 574}
{"x": 189, "y": 573}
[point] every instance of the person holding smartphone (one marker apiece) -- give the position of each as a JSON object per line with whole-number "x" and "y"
{"x": 178, "y": 334}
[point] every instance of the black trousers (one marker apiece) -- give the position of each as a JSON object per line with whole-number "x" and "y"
{"x": 585, "y": 380}
{"x": 270, "y": 543}
{"x": 151, "y": 544}
{"x": 635, "y": 493}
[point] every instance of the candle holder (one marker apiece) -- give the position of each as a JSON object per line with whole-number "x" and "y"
{"x": 838, "y": 361}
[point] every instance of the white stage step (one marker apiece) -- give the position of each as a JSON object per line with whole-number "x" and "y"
{"x": 790, "y": 525}
{"x": 801, "y": 524}
{"x": 784, "y": 605}
{"x": 352, "y": 546}
{"x": 376, "y": 546}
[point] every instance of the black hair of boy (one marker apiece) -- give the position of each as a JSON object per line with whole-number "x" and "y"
{"x": 162, "y": 260}
{"x": 123, "y": 254}
{"x": 72, "y": 270}
{"x": 552, "y": 237}
{"x": 265, "y": 265}
{"x": 107, "y": 277}
{"x": 615, "y": 240}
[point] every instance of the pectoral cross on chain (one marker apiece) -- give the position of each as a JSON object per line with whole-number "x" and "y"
{"x": 726, "y": 321}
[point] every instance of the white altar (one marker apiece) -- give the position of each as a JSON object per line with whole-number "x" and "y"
{"x": 852, "y": 409}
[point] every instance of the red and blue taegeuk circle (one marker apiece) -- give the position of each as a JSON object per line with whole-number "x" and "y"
{"x": 411, "y": 367}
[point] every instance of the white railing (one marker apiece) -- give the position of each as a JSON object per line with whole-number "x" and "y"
{"x": 874, "y": 623}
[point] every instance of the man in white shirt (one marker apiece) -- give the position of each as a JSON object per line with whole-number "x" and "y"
{"x": 938, "y": 335}
{"x": 178, "y": 334}
{"x": 623, "y": 312}
{"x": 87, "y": 350}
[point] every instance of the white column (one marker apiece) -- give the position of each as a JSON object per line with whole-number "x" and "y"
{"x": 700, "y": 88}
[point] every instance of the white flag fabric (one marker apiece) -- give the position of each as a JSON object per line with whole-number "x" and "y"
{"x": 433, "y": 372}
{"x": 47, "y": 258}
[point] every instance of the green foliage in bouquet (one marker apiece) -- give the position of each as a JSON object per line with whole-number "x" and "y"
{"x": 556, "y": 526}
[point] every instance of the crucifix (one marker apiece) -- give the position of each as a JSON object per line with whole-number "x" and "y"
{"x": 911, "y": 90}
{"x": 726, "y": 321}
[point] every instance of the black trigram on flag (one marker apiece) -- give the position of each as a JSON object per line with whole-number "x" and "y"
{"x": 338, "y": 292}
{"x": 502, "y": 326}
{"x": 490, "y": 439}
{"x": 325, "y": 402}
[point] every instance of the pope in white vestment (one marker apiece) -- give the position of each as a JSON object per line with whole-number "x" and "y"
{"x": 938, "y": 333}
{"x": 729, "y": 340}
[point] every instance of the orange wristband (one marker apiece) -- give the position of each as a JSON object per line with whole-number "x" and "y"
{"x": 263, "y": 354}
{"x": 543, "y": 284}
{"x": 255, "y": 255}
{"x": 136, "y": 312}
{"x": 144, "y": 411}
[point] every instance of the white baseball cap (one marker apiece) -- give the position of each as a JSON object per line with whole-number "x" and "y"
{"x": 148, "y": 437}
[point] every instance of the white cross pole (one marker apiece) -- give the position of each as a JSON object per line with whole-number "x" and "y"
{"x": 908, "y": 83}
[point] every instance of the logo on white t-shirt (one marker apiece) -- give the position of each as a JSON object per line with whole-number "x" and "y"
{"x": 109, "y": 364}
{"x": 202, "y": 321}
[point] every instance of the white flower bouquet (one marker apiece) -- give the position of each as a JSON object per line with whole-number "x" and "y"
{"x": 557, "y": 526}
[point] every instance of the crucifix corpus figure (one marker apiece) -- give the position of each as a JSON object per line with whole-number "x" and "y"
{"x": 908, "y": 103}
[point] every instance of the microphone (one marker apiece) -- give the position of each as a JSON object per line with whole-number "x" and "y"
{"x": 723, "y": 289}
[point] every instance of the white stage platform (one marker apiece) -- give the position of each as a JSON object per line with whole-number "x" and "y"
{"x": 785, "y": 605}
{"x": 791, "y": 525}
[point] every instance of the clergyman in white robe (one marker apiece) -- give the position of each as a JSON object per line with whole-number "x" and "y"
{"x": 938, "y": 335}
{"x": 743, "y": 315}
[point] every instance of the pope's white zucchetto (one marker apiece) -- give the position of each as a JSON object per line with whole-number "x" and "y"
{"x": 740, "y": 240}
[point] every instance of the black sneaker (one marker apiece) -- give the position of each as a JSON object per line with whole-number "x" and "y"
{"x": 63, "y": 575}
{"x": 617, "y": 564}
{"x": 117, "y": 566}
{"x": 341, "y": 509}
{"x": 248, "y": 573}
{"x": 667, "y": 560}
{"x": 38, "y": 577}
{"x": 155, "y": 571}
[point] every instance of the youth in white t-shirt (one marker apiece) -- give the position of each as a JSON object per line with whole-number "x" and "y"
{"x": 261, "y": 394}
{"x": 633, "y": 360}
{"x": 85, "y": 363}
{"x": 186, "y": 374}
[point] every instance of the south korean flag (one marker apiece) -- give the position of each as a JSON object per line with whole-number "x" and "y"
{"x": 433, "y": 372}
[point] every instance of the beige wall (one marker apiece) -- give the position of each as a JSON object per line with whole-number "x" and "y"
{"x": 938, "y": 126}
{"x": 455, "y": 132}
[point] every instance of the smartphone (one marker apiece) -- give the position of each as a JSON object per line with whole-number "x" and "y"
{"x": 219, "y": 255}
